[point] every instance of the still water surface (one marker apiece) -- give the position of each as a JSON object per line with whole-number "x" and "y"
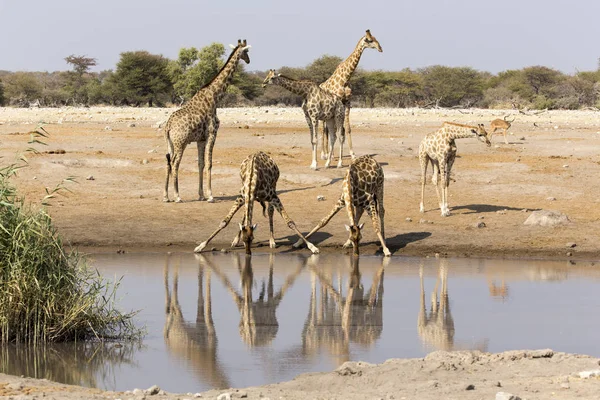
{"x": 224, "y": 320}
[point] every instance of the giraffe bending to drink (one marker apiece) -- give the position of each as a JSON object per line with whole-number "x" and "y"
{"x": 259, "y": 175}
{"x": 337, "y": 84}
{"x": 362, "y": 190}
{"x": 439, "y": 149}
{"x": 318, "y": 105}
{"x": 197, "y": 122}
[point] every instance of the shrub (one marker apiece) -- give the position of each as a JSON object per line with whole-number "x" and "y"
{"x": 47, "y": 293}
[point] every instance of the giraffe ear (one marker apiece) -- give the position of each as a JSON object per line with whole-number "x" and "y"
{"x": 254, "y": 226}
{"x": 241, "y": 226}
{"x": 361, "y": 225}
{"x": 347, "y": 227}
{"x": 369, "y": 34}
{"x": 232, "y": 46}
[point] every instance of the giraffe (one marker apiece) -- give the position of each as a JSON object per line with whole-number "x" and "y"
{"x": 259, "y": 175}
{"x": 338, "y": 82}
{"x": 362, "y": 190}
{"x": 318, "y": 105}
{"x": 258, "y": 316}
{"x": 439, "y": 149}
{"x": 197, "y": 121}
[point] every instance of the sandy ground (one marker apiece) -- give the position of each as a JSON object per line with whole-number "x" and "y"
{"x": 540, "y": 374}
{"x": 552, "y": 162}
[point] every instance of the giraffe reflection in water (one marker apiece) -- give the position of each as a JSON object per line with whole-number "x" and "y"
{"x": 258, "y": 317}
{"x": 436, "y": 327}
{"x": 335, "y": 321}
{"x": 194, "y": 342}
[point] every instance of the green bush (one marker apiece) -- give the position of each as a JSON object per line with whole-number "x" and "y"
{"x": 49, "y": 294}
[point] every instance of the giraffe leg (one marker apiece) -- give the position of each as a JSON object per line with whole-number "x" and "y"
{"x": 332, "y": 134}
{"x": 444, "y": 178}
{"x": 270, "y": 211}
{"x": 313, "y": 126}
{"x": 236, "y": 239}
{"x": 167, "y": 175}
{"x": 348, "y": 130}
{"x": 377, "y": 219}
{"x": 201, "y": 150}
{"x": 213, "y": 127}
{"x": 436, "y": 182}
{"x": 341, "y": 134}
{"x": 423, "y": 160}
{"x": 338, "y": 206}
{"x": 324, "y": 142}
{"x": 176, "y": 162}
{"x": 276, "y": 203}
{"x": 239, "y": 202}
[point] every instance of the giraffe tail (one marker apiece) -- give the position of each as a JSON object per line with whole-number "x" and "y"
{"x": 169, "y": 154}
{"x": 262, "y": 203}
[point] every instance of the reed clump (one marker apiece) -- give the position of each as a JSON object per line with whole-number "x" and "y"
{"x": 48, "y": 293}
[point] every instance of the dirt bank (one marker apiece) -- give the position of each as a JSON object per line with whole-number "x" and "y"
{"x": 540, "y": 374}
{"x": 117, "y": 155}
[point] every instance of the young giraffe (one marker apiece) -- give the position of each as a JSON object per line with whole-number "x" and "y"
{"x": 439, "y": 149}
{"x": 338, "y": 82}
{"x": 318, "y": 105}
{"x": 197, "y": 122}
{"x": 259, "y": 175}
{"x": 362, "y": 190}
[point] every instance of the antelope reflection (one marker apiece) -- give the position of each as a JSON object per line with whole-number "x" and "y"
{"x": 194, "y": 342}
{"x": 436, "y": 327}
{"x": 258, "y": 318}
{"x": 334, "y": 320}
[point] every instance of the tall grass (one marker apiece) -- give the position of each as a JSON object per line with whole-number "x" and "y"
{"x": 49, "y": 294}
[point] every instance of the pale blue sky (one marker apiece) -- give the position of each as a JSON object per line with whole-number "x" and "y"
{"x": 493, "y": 36}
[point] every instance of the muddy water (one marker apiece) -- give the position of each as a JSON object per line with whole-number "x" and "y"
{"x": 222, "y": 320}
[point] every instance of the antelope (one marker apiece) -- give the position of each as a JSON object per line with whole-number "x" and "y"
{"x": 500, "y": 124}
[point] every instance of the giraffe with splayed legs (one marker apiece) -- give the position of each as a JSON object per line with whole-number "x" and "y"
{"x": 439, "y": 149}
{"x": 197, "y": 122}
{"x": 362, "y": 190}
{"x": 338, "y": 82}
{"x": 259, "y": 175}
{"x": 318, "y": 105}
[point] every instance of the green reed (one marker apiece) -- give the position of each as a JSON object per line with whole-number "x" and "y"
{"x": 49, "y": 293}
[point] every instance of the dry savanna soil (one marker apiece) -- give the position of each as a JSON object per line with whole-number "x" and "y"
{"x": 117, "y": 156}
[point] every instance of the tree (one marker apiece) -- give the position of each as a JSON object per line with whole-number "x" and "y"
{"x": 22, "y": 88}
{"x": 76, "y": 80}
{"x": 451, "y": 86}
{"x": 1, "y": 93}
{"x": 142, "y": 77}
{"x": 81, "y": 64}
{"x": 322, "y": 68}
{"x": 195, "y": 68}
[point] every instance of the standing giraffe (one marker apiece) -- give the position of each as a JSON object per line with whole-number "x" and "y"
{"x": 439, "y": 149}
{"x": 362, "y": 190}
{"x": 197, "y": 122}
{"x": 259, "y": 177}
{"x": 318, "y": 105}
{"x": 338, "y": 82}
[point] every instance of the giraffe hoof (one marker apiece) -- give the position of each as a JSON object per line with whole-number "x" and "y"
{"x": 166, "y": 200}
{"x": 386, "y": 252}
{"x": 313, "y": 167}
{"x": 340, "y": 165}
{"x": 273, "y": 245}
{"x": 178, "y": 200}
{"x": 210, "y": 200}
{"x": 200, "y": 247}
{"x": 297, "y": 244}
{"x": 313, "y": 248}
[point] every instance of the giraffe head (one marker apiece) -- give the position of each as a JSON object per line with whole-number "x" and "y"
{"x": 355, "y": 236}
{"x": 269, "y": 78}
{"x": 247, "y": 233}
{"x": 244, "y": 48}
{"x": 369, "y": 41}
{"x": 482, "y": 135}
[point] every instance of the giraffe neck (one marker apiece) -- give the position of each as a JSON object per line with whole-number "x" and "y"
{"x": 300, "y": 88}
{"x": 348, "y": 198}
{"x": 249, "y": 192}
{"x": 459, "y": 131}
{"x": 336, "y": 82}
{"x": 219, "y": 83}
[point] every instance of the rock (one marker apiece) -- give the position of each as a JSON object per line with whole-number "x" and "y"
{"x": 197, "y": 395}
{"x": 551, "y": 198}
{"x": 501, "y": 212}
{"x": 522, "y": 138}
{"x": 243, "y": 395}
{"x": 424, "y": 221}
{"x": 90, "y": 178}
{"x": 15, "y": 386}
{"x": 506, "y": 396}
{"x": 571, "y": 245}
{"x": 320, "y": 198}
{"x": 137, "y": 392}
{"x": 152, "y": 151}
{"x": 224, "y": 396}
{"x": 566, "y": 166}
{"x": 565, "y": 385}
{"x": 224, "y": 251}
{"x": 589, "y": 374}
{"x": 408, "y": 219}
{"x": 569, "y": 254}
{"x": 480, "y": 225}
{"x": 107, "y": 128}
{"x": 470, "y": 387}
{"x": 152, "y": 390}
{"x": 144, "y": 161}
{"x": 547, "y": 218}
{"x": 131, "y": 125}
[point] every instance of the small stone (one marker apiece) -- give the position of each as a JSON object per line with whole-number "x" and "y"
{"x": 137, "y": 392}
{"x": 152, "y": 151}
{"x": 162, "y": 392}
{"x": 90, "y": 178}
{"x": 522, "y": 138}
{"x": 197, "y": 395}
{"x": 224, "y": 396}
{"x": 569, "y": 254}
{"x": 144, "y": 161}
{"x": 213, "y": 249}
{"x": 481, "y": 217}
{"x": 224, "y": 250}
{"x": 470, "y": 387}
{"x": 131, "y": 125}
{"x": 571, "y": 245}
{"x": 566, "y": 166}
{"x": 506, "y": 396}
{"x": 518, "y": 160}
{"x": 15, "y": 386}
{"x": 502, "y": 212}
{"x": 547, "y": 218}
{"x": 152, "y": 390}
{"x": 524, "y": 210}
{"x": 565, "y": 385}
{"x": 498, "y": 384}
{"x": 408, "y": 219}
{"x": 107, "y": 128}
{"x": 246, "y": 127}
{"x": 555, "y": 126}
{"x": 243, "y": 395}
{"x": 589, "y": 374}
{"x": 320, "y": 198}
{"x": 551, "y": 198}
{"x": 480, "y": 225}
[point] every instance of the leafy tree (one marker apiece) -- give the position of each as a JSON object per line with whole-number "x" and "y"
{"x": 392, "y": 89}
{"x": 451, "y": 86}
{"x": 321, "y": 68}
{"x": 22, "y": 87}
{"x": 1, "y": 93}
{"x": 541, "y": 79}
{"x": 142, "y": 77}
{"x": 195, "y": 68}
